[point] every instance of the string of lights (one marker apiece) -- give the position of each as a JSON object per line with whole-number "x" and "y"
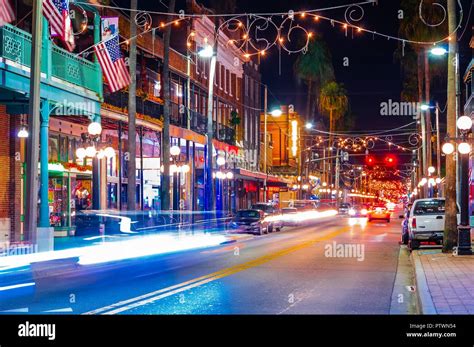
{"x": 283, "y": 24}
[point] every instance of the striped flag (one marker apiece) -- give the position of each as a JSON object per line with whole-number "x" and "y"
{"x": 112, "y": 63}
{"x": 7, "y": 15}
{"x": 57, "y": 14}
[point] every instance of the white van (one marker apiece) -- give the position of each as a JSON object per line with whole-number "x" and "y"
{"x": 426, "y": 222}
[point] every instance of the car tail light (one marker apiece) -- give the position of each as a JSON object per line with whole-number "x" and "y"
{"x": 413, "y": 223}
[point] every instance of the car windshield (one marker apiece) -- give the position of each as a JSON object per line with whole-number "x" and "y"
{"x": 248, "y": 214}
{"x": 429, "y": 207}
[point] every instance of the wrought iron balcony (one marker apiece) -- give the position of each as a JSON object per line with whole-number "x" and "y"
{"x": 57, "y": 64}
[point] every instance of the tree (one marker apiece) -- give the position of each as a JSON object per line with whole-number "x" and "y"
{"x": 132, "y": 108}
{"x": 427, "y": 28}
{"x": 165, "y": 146}
{"x": 450, "y": 224}
{"x": 315, "y": 69}
{"x": 333, "y": 101}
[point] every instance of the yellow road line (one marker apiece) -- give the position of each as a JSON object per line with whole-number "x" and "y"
{"x": 141, "y": 300}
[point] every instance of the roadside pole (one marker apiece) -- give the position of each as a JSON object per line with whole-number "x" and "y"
{"x": 34, "y": 107}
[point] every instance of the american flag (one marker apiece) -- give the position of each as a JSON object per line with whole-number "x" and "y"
{"x": 7, "y": 14}
{"x": 112, "y": 63}
{"x": 57, "y": 14}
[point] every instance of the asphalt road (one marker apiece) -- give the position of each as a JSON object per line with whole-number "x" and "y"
{"x": 329, "y": 267}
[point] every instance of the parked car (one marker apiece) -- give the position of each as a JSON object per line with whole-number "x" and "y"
{"x": 343, "y": 208}
{"x": 426, "y": 222}
{"x": 378, "y": 212}
{"x": 252, "y": 221}
{"x": 358, "y": 211}
{"x": 272, "y": 214}
{"x": 288, "y": 213}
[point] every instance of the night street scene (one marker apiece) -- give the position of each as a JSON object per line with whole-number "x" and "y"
{"x": 236, "y": 159}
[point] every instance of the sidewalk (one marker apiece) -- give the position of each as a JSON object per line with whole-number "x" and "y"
{"x": 445, "y": 283}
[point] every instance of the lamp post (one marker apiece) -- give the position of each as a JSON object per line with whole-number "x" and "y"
{"x": 276, "y": 112}
{"x": 426, "y": 107}
{"x": 464, "y": 126}
{"x": 176, "y": 169}
{"x": 210, "y": 52}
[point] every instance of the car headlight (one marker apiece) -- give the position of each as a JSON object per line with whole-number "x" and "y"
{"x": 363, "y": 211}
{"x": 352, "y": 212}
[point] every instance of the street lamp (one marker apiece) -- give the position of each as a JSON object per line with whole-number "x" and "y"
{"x": 448, "y": 148}
{"x": 439, "y": 51}
{"x": 23, "y": 132}
{"x": 206, "y": 52}
{"x": 92, "y": 145}
{"x": 464, "y": 125}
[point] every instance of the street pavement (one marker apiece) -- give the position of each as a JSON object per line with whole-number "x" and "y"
{"x": 326, "y": 267}
{"x": 449, "y": 287}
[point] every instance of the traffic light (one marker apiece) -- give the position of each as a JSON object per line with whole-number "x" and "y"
{"x": 370, "y": 160}
{"x": 390, "y": 160}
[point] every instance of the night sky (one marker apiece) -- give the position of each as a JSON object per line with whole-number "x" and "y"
{"x": 373, "y": 75}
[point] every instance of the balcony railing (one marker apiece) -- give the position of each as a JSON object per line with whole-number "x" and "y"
{"x": 15, "y": 45}
{"x": 198, "y": 122}
{"x": 223, "y": 133}
{"x": 120, "y": 100}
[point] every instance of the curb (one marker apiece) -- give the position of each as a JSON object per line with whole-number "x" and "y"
{"x": 423, "y": 294}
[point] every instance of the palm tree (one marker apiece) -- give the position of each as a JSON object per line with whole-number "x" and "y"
{"x": 165, "y": 146}
{"x": 132, "y": 108}
{"x": 412, "y": 27}
{"x": 450, "y": 226}
{"x": 333, "y": 102}
{"x": 315, "y": 69}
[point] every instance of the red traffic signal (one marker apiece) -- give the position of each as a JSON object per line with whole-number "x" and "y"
{"x": 369, "y": 160}
{"x": 390, "y": 160}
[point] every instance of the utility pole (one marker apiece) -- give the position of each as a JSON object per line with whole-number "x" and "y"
{"x": 34, "y": 106}
{"x": 336, "y": 184}
{"x": 209, "y": 186}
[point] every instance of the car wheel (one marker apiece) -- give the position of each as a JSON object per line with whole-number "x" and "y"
{"x": 269, "y": 228}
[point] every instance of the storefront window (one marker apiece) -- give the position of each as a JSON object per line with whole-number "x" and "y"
{"x": 53, "y": 148}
